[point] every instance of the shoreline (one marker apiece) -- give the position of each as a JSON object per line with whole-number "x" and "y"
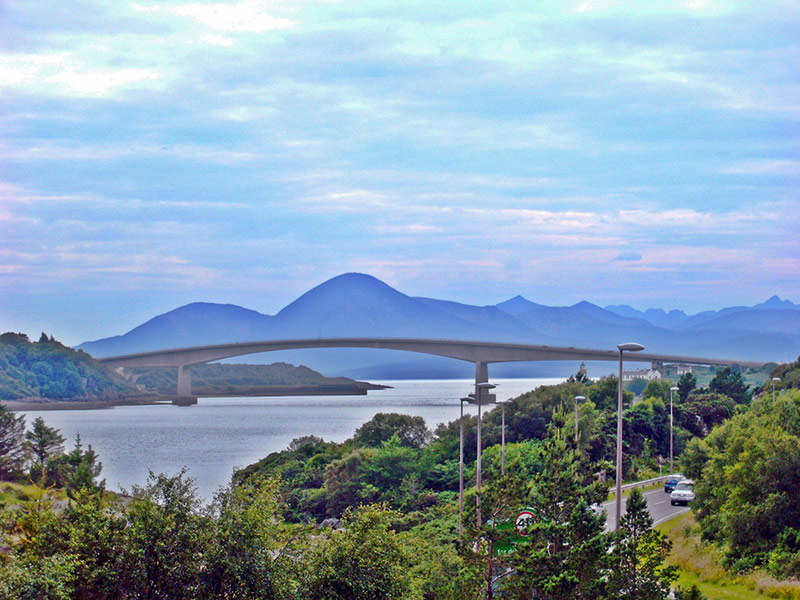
{"x": 149, "y": 400}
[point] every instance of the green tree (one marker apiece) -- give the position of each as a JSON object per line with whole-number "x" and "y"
{"x": 12, "y": 444}
{"x": 638, "y": 556}
{"x": 658, "y": 388}
{"x": 165, "y": 540}
{"x": 747, "y": 495}
{"x": 48, "y": 578}
{"x": 364, "y": 560}
{"x": 703, "y": 411}
{"x": 411, "y": 431}
{"x": 249, "y": 555}
{"x": 686, "y": 383}
{"x": 76, "y": 470}
{"x": 566, "y": 550}
{"x": 731, "y": 383}
{"x": 43, "y": 441}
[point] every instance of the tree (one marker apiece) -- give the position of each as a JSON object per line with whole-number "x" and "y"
{"x": 639, "y": 553}
{"x": 686, "y": 383}
{"x": 731, "y": 383}
{"x": 165, "y": 540}
{"x": 362, "y": 561}
{"x": 658, "y": 388}
{"x": 12, "y": 446}
{"x": 746, "y": 498}
{"x": 76, "y": 470}
{"x": 411, "y": 431}
{"x": 704, "y": 410}
{"x": 249, "y": 554}
{"x": 43, "y": 441}
{"x": 566, "y": 552}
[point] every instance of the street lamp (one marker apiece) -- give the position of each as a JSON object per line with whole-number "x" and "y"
{"x": 461, "y": 468}
{"x": 582, "y": 399}
{"x": 630, "y": 347}
{"x": 503, "y": 438}
{"x": 480, "y": 397}
{"x": 774, "y": 379}
{"x": 672, "y": 389}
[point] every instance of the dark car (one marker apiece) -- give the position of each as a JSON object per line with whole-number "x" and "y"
{"x": 672, "y": 481}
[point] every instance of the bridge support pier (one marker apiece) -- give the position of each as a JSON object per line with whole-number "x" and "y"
{"x": 481, "y": 372}
{"x": 184, "y": 380}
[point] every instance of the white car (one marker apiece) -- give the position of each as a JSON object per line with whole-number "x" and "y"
{"x": 683, "y": 493}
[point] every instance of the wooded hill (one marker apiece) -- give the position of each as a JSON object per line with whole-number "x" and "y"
{"x": 49, "y": 370}
{"x": 221, "y": 378}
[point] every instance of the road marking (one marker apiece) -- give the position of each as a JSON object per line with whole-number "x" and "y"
{"x": 668, "y": 517}
{"x": 657, "y": 503}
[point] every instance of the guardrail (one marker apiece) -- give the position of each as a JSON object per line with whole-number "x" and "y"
{"x": 644, "y": 483}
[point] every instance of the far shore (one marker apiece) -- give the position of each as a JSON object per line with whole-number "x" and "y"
{"x": 152, "y": 399}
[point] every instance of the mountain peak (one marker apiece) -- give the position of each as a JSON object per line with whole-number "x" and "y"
{"x": 517, "y": 305}
{"x": 776, "y": 303}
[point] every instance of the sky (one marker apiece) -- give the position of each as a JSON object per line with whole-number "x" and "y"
{"x": 158, "y": 153}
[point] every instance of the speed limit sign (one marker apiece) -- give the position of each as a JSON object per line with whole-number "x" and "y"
{"x": 524, "y": 520}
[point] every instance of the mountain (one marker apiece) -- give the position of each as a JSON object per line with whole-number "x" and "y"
{"x": 677, "y": 319}
{"x": 756, "y": 320}
{"x": 196, "y": 324}
{"x": 776, "y": 303}
{"x": 657, "y": 316}
{"x": 518, "y": 305}
{"x": 359, "y": 305}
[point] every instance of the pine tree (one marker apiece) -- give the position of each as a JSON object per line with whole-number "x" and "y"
{"x": 567, "y": 552}
{"x": 12, "y": 448}
{"x": 44, "y": 441}
{"x": 637, "y": 560}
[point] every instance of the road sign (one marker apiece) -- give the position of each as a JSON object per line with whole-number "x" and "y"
{"x": 524, "y": 520}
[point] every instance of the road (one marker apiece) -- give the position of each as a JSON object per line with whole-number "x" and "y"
{"x": 657, "y": 502}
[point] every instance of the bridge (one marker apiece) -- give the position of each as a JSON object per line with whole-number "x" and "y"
{"x": 480, "y": 353}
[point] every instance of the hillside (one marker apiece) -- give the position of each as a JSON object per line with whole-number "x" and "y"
{"x": 243, "y": 380}
{"x": 49, "y": 370}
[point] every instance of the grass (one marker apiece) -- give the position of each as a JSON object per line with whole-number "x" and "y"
{"x": 700, "y": 565}
{"x": 627, "y": 492}
{"x": 17, "y": 493}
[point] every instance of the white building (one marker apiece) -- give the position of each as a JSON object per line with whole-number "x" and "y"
{"x": 646, "y": 374}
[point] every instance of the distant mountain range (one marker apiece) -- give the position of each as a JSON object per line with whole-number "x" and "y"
{"x": 359, "y": 305}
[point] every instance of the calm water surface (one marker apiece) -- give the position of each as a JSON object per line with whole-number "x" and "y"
{"x": 217, "y": 435}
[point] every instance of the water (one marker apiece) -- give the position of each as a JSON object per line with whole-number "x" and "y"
{"x": 216, "y": 435}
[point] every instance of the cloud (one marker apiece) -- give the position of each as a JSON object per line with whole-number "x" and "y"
{"x": 247, "y": 17}
{"x": 628, "y": 257}
{"x": 781, "y": 167}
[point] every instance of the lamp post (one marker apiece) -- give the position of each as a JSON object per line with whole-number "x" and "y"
{"x": 582, "y": 399}
{"x": 503, "y": 438}
{"x": 774, "y": 379}
{"x": 481, "y": 397}
{"x": 630, "y": 347}
{"x": 461, "y": 468}
{"x": 672, "y": 389}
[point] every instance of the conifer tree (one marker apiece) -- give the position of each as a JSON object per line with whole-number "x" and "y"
{"x": 44, "y": 441}
{"x": 638, "y": 569}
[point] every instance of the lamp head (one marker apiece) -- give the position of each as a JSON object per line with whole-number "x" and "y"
{"x": 674, "y": 389}
{"x": 630, "y": 347}
{"x": 776, "y": 379}
{"x": 580, "y": 397}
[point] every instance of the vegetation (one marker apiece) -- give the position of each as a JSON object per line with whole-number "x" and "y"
{"x": 376, "y": 517}
{"x": 749, "y": 475}
{"x": 47, "y": 369}
{"x": 223, "y": 378}
{"x": 701, "y": 565}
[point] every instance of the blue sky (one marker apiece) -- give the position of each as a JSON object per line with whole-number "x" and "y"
{"x": 158, "y": 153}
